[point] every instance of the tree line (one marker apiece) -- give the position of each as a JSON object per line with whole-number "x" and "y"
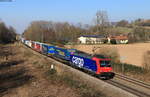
{"x": 64, "y": 32}
{"x": 7, "y": 34}
{"x": 52, "y": 32}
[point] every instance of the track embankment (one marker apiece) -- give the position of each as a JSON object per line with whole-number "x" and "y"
{"x": 131, "y": 85}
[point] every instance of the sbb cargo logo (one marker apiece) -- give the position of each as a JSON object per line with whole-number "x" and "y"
{"x": 78, "y": 61}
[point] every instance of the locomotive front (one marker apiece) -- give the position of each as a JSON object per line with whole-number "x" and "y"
{"x": 104, "y": 68}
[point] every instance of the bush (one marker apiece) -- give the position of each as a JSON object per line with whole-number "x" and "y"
{"x": 113, "y": 41}
{"x": 139, "y": 34}
{"x": 52, "y": 72}
{"x": 53, "y": 76}
{"x": 128, "y": 68}
{"x": 105, "y": 40}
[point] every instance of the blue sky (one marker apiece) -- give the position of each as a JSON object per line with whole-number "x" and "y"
{"x": 20, "y": 13}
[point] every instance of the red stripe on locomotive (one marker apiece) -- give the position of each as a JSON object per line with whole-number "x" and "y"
{"x": 101, "y": 69}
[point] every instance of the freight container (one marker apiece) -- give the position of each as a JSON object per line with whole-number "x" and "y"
{"x": 63, "y": 53}
{"x": 38, "y": 46}
{"x": 48, "y": 49}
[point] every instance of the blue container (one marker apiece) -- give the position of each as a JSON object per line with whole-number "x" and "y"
{"x": 48, "y": 49}
{"x": 82, "y": 62}
{"x": 72, "y": 51}
{"x": 63, "y": 53}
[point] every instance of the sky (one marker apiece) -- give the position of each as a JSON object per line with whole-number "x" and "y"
{"x": 20, "y": 13}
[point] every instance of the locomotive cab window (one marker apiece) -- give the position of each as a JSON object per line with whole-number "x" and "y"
{"x": 104, "y": 63}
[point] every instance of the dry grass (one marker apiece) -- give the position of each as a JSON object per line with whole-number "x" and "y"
{"x": 69, "y": 79}
{"x": 146, "y": 60}
{"x": 22, "y": 75}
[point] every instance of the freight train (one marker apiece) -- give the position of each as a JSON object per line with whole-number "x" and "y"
{"x": 98, "y": 65}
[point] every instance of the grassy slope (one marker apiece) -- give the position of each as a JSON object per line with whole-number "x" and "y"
{"x": 24, "y": 74}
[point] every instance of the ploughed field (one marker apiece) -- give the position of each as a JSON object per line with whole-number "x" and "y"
{"x": 129, "y": 53}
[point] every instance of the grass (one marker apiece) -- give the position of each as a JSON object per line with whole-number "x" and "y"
{"x": 29, "y": 54}
{"x": 83, "y": 89}
{"x": 12, "y": 72}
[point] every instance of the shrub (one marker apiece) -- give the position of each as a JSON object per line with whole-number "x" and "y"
{"x": 128, "y": 68}
{"x": 52, "y": 72}
{"x": 105, "y": 40}
{"x": 53, "y": 76}
{"x": 113, "y": 41}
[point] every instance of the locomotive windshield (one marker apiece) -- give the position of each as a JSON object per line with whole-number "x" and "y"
{"x": 104, "y": 63}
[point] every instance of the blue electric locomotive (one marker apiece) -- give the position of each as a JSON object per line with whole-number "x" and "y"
{"x": 97, "y": 64}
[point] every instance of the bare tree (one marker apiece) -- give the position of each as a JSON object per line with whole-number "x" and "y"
{"x": 101, "y": 20}
{"x": 52, "y": 32}
{"x": 7, "y": 35}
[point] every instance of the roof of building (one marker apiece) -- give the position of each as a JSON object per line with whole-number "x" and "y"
{"x": 119, "y": 37}
{"x": 93, "y": 36}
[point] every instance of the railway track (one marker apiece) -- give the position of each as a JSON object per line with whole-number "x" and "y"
{"x": 128, "y": 89}
{"x": 135, "y": 81}
{"x": 122, "y": 85}
{"x": 136, "y": 87}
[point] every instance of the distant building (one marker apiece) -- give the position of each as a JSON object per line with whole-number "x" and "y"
{"x": 120, "y": 39}
{"x": 91, "y": 39}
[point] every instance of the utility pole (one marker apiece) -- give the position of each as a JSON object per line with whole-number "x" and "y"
{"x": 42, "y": 39}
{"x": 42, "y": 33}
